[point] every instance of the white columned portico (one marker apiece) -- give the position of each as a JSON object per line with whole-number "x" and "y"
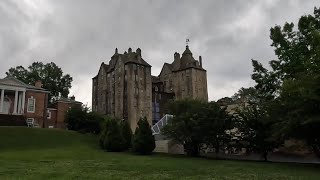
{"x": 15, "y": 105}
{"x": 2, "y": 99}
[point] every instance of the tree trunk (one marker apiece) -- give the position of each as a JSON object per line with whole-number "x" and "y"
{"x": 316, "y": 150}
{"x": 265, "y": 156}
{"x": 192, "y": 149}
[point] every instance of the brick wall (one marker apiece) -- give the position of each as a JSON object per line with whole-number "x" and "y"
{"x": 52, "y": 121}
{"x": 40, "y": 113}
{"x": 62, "y": 108}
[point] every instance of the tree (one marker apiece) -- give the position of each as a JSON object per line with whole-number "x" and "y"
{"x": 298, "y": 110}
{"x": 143, "y": 140}
{"x": 290, "y": 89}
{"x": 113, "y": 139}
{"x": 197, "y": 123}
{"x": 50, "y": 74}
{"x": 256, "y": 130}
{"x": 127, "y": 134}
{"x": 75, "y": 116}
{"x": 80, "y": 119}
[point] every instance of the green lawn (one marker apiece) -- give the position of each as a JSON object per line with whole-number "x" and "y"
{"x": 27, "y": 153}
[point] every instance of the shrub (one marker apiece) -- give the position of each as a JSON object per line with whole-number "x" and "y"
{"x": 113, "y": 139}
{"x": 126, "y": 133}
{"x": 79, "y": 119}
{"x": 103, "y": 134}
{"x": 143, "y": 140}
{"x": 75, "y": 117}
{"x": 93, "y": 122}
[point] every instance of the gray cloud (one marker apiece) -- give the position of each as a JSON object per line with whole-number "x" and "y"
{"x": 79, "y": 34}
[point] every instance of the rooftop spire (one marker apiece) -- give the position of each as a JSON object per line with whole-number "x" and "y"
{"x": 187, "y": 51}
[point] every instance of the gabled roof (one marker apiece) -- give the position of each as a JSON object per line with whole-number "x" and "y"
{"x": 11, "y": 81}
{"x": 130, "y": 57}
{"x": 170, "y": 67}
{"x": 155, "y": 79}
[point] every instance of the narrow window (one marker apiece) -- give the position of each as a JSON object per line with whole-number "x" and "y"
{"x": 49, "y": 114}
{"x": 31, "y": 104}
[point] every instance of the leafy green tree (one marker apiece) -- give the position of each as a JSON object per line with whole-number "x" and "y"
{"x": 93, "y": 122}
{"x": 80, "y": 119}
{"x": 256, "y": 130}
{"x": 290, "y": 89}
{"x": 298, "y": 110}
{"x": 75, "y": 116}
{"x": 143, "y": 140}
{"x": 50, "y": 74}
{"x": 196, "y": 123}
{"x": 113, "y": 139}
{"x": 127, "y": 134}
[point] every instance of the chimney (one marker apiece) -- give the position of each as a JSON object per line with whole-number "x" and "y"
{"x": 176, "y": 56}
{"x": 38, "y": 84}
{"x": 200, "y": 60}
{"x": 129, "y": 50}
{"x": 138, "y": 51}
{"x": 116, "y": 51}
{"x": 72, "y": 98}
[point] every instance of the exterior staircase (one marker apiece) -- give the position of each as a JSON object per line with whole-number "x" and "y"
{"x": 12, "y": 120}
{"x": 163, "y": 144}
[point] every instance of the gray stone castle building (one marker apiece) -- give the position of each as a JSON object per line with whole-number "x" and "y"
{"x": 124, "y": 88}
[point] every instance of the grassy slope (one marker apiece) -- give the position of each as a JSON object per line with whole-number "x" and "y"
{"x": 27, "y": 153}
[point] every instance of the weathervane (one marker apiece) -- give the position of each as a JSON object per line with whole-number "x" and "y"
{"x": 187, "y": 41}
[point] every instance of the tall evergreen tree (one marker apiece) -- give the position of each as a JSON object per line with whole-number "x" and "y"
{"x": 127, "y": 134}
{"x": 113, "y": 139}
{"x": 143, "y": 140}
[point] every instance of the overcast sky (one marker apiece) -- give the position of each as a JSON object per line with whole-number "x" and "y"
{"x": 80, "y": 34}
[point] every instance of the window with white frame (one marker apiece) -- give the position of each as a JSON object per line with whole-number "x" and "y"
{"x": 48, "y": 114}
{"x": 31, "y": 104}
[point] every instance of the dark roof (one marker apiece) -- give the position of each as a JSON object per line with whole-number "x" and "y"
{"x": 187, "y": 51}
{"x": 155, "y": 79}
{"x": 130, "y": 57}
{"x": 185, "y": 62}
{"x": 67, "y": 100}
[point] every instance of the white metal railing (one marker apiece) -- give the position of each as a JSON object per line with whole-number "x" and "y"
{"x": 156, "y": 129}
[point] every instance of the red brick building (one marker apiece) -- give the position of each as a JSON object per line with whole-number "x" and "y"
{"x": 22, "y": 104}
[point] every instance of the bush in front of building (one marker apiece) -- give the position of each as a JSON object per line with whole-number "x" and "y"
{"x": 93, "y": 123}
{"x": 81, "y": 120}
{"x": 112, "y": 137}
{"x": 143, "y": 140}
{"x": 126, "y": 133}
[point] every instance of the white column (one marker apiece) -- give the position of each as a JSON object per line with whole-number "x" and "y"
{"x": 15, "y": 103}
{"x": 19, "y": 102}
{"x": 23, "y": 101}
{"x": 2, "y": 99}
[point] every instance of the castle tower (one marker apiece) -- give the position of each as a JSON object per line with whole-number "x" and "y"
{"x": 122, "y": 88}
{"x": 183, "y": 78}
